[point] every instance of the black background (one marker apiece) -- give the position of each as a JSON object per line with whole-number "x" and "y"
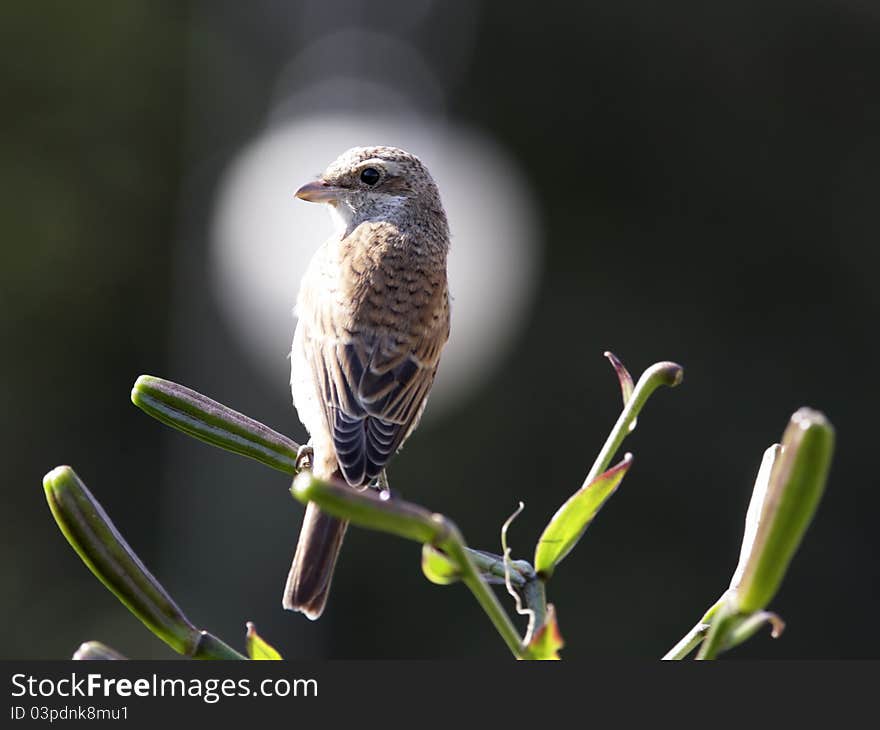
{"x": 707, "y": 178}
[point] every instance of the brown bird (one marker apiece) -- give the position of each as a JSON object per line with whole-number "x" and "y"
{"x": 373, "y": 317}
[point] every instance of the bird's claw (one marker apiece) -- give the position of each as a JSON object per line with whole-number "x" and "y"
{"x": 381, "y": 485}
{"x": 304, "y": 455}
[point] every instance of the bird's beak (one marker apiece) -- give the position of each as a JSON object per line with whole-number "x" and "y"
{"x": 318, "y": 192}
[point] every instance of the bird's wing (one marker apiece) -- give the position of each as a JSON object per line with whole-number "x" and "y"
{"x": 374, "y": 397}
{"x": 372, "y": 393}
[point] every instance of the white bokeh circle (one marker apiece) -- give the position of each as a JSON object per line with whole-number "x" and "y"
{"x": 262, "y": 238}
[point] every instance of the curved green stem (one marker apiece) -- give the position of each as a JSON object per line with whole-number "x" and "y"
{"x": 534, "y": 595}
{"x": 370, "y": 509}
{"x": 661, "y": 373}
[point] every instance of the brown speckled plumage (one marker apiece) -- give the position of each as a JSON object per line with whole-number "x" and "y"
{"x": 373, "y": 317}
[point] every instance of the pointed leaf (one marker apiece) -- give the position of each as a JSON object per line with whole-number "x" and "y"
{"x": 547, "y": 640}
{"x": 626, "y": 381}
{"x": 257, "y": 648}
{"x": 567, "y": 526}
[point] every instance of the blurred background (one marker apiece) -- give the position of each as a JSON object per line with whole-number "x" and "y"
{"x": 695, "y": 182}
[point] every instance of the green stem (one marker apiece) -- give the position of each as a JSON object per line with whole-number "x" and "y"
{"x": 661, "y": 373}
{"x": 212, "y": 422}
{"x": 535, "y": 599}
{"x": 370, "y": 509}
{"x": 690, "y": 641}
{"x": 491, "y": 566}
{"x": 484, "y": 595}
{"x": 693, "y": 637}
{"x": 218, "y": 425}
{"x": 210, "y": 647}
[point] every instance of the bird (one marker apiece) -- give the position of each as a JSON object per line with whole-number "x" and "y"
{"x": 373, "y": 316}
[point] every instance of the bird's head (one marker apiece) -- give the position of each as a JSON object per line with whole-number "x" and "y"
{"x": 375, "y": 183}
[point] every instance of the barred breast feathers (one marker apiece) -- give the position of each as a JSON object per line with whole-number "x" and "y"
{"x": 380, "y": 321}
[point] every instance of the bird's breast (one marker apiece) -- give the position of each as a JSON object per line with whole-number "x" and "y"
{"x": 387, "y": 281}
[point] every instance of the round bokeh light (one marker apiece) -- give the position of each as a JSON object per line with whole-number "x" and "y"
{"x": 263, "y": 238}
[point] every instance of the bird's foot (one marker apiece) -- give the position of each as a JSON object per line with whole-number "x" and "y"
{"x": 304, "y": 458}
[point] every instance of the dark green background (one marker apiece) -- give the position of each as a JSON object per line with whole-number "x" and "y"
{"x": 707, "y": 179}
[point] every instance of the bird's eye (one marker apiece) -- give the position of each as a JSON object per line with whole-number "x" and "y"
{"x": 370, "y": 176}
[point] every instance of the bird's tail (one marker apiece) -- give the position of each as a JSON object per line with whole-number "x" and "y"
{"x": 308, "y": 582}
